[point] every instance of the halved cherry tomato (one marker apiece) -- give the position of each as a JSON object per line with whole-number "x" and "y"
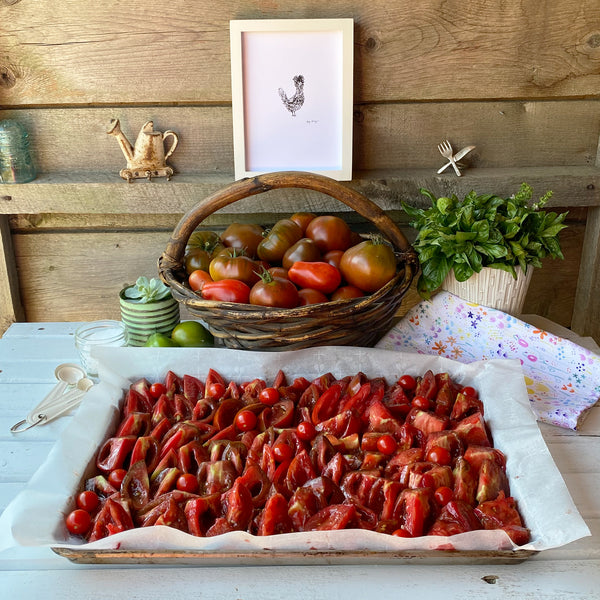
{"x": 304, "y": 249}
{"x": 78, "y": 521}
{"x": 316, "y": 275}
{"x": 232, "y": 264}
{"x": 227, "y": 290}
{"x": 284, "y": 234}
{"x": 269, "y": 396}
{"x": 88, "y": 501}
{"x": 243, "y": 235}
{"x": 386, "y": 444}
{"x": 310, "y": 296}
{"x": 157, "y": 389}
{"x": 198, "y": 278}
{"x": 187, "y": 482}
{"x": 369, "y": 265}
{"x": 275, "y": 292}
{"x": 330, "y": 233}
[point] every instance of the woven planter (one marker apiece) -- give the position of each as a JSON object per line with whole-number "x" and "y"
{"x": 358, "y": 322}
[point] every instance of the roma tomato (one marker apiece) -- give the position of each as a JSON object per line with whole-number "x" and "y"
{"x": 347, "y": 292}
{"x": 319, "y": 276}
{"x": 310, "y": 296}
{"x": 330, "y": 233}
{"x": 304, "y": 249}
{"x": 227, "y": 290}
{"x": 243, "y": 235}
{"x": 198, "y": 278}
{"x": 285, "y": 233}
{"x": 369, "y": 265}
{"x": 234, "y": 265}
{"x": 273, "y": 291}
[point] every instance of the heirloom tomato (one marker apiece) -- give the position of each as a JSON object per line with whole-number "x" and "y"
{"x": 278, "y": 272}
{"x": 195, "y": 259}
{"x": 347, "y": 292}
{"x": 334, "y": 257}
{"x": 310, "y": 296}
{"x": 198, "y": 278}
{"x": 160, "y": 340}
{"x": 304, "y": 249}
{"x": 243, "y": 235}
{"x": 205, "y": 240}
{"x": 191, "y": 334}
{"x": 226, "y": 290}
{"x": 330, "y": 233}
{"x": 285, "y": 233}
{"x": 303, "y": 219}
{"x": 233, "y": 264}
{"x": 273, "y": 291}
{"x": 319, "y": 276}
{"x": 369, "y": 265}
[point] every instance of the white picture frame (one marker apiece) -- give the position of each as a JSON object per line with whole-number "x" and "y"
{"x": 292, "y": 96}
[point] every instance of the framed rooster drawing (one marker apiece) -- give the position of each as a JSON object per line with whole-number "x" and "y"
{"x": 292, "y": 96}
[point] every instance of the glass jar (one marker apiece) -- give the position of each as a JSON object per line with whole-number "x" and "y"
{"x": 98, "y": 333}
{"x": 16, "y": 165}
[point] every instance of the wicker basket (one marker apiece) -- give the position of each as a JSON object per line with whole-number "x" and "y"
{"x": 355, "y": 322}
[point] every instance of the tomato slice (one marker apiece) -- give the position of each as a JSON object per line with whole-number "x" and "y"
{"x": 336, "y": 516}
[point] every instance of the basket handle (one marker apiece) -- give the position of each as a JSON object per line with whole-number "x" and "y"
{"x": 173, "y": 255}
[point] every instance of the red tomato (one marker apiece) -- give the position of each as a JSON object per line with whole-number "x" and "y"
{"x": 227, "y": 290}
{"x": 187, "y": 482}
{"x": 304, "y": 249}
{"x": 369, "y": 265}
{"x": 157, "y": 390}
{"x": 306, "y": 431}
{"x": 284, "y": 234}
{"x": 386, "y": 444}
{"x": 245, "y": 420}
{"x": 408, "y": 382}
{"x": 282, "y": 452}
{"x": 115, "y": 478}
{"x": 278, "y": 272}
{"x": 439, "y": 455}
{"x": 269, "y": 396}
{"x": 243, "y": 235}
{"x": 401, "y": 532}
{"x": 215, "y": 390}
{"x": 78, "y": 522}
{"x": 469, "y": 391}
{"x": 319, "y": 276}
{"x": 195, "y": 259}
{"x": 275, "y": 292}
{"x": 421, "y": 402}
{"x": 303, "y": 219}
{"x": 310, "y": 296}
{"x": 443, "y": 495}
{"x": 334, "y": 257}
{"x": 198, "y": 278}
{"x": 88, "y": 501}
{"x": 347, "y": 292}
{"x": 330, "y": 233}
{"x": 232, "y": 265}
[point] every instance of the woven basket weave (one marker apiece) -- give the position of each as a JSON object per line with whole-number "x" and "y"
{"x": 355, "y": 322}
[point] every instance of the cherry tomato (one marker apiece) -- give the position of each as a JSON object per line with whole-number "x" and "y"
{"x": 115, "y": 478}
{"x": 386, "y": 444}
{"x": 347, "y": 292}
{"x": 233, "y": 265}
{"x": 369, "y": 265}
{"x": 401, "y": 532}
{"x": 439, "y": 455}
{"x": 306, "y": 431}
{"x": 269, "y": 396}
{"x": 421, "y": 402}
{"x": 282, "y": 452}
{"x": 408, "y": 382}
{"x": 273, "y": 291}
{"x": 215, "y": 390}
{"x": 330, "y": 233}
{"x": 78, "y": 521}
{"x": 88, "y": 501}
{"x": 195, "y": 259}
{"x": 243, "y": 235}
{"x": 187, "y": 482}
{"x": 284, "y": 234}
{"x": 304, "y": 249}
{"x": 319, "y": 276}
{"x": 310, "y": 296}
{"x": 227, "y": 290}
{"x": 245, "y": 420}
{"x": 157, "y": 390}
{"x": 303, "y": 219}
{"x": 443, "y": 495}
{"x": 198, "y": 278}
{"x": 192, "y": 334}
{"x": 469, "y": 391}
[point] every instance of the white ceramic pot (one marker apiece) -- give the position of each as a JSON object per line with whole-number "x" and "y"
{"x": 493, "y": 288}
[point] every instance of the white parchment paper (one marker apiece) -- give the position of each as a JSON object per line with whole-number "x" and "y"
{"x": 36, "y": 515}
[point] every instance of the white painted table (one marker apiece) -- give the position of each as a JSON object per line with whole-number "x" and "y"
{"x": 28, "y": 355}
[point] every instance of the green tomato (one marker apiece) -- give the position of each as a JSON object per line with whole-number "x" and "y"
{"x": 192, "y": 334}
{"x": 160, "y": 340}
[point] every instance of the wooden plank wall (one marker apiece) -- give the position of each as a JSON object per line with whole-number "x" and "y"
{"x": 519, "y": 79}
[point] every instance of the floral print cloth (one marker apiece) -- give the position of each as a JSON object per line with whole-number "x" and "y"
{"x": 562, "y": 378}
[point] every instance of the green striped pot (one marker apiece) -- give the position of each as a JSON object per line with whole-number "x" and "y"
{"x": 144, "y": 319}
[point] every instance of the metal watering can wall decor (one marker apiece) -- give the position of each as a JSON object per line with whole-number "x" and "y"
{"x": 147, "y": 158}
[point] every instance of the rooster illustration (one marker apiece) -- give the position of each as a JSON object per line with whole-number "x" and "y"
{"x": 294, "y": 103}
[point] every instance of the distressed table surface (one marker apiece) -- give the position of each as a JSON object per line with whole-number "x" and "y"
{"x": 29, "y": 352}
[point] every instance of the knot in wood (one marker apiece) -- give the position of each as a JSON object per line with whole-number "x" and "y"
{"x": 8, "y": 77}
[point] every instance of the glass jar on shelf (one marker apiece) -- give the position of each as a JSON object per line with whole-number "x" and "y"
{"x": 16, "y": 165}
